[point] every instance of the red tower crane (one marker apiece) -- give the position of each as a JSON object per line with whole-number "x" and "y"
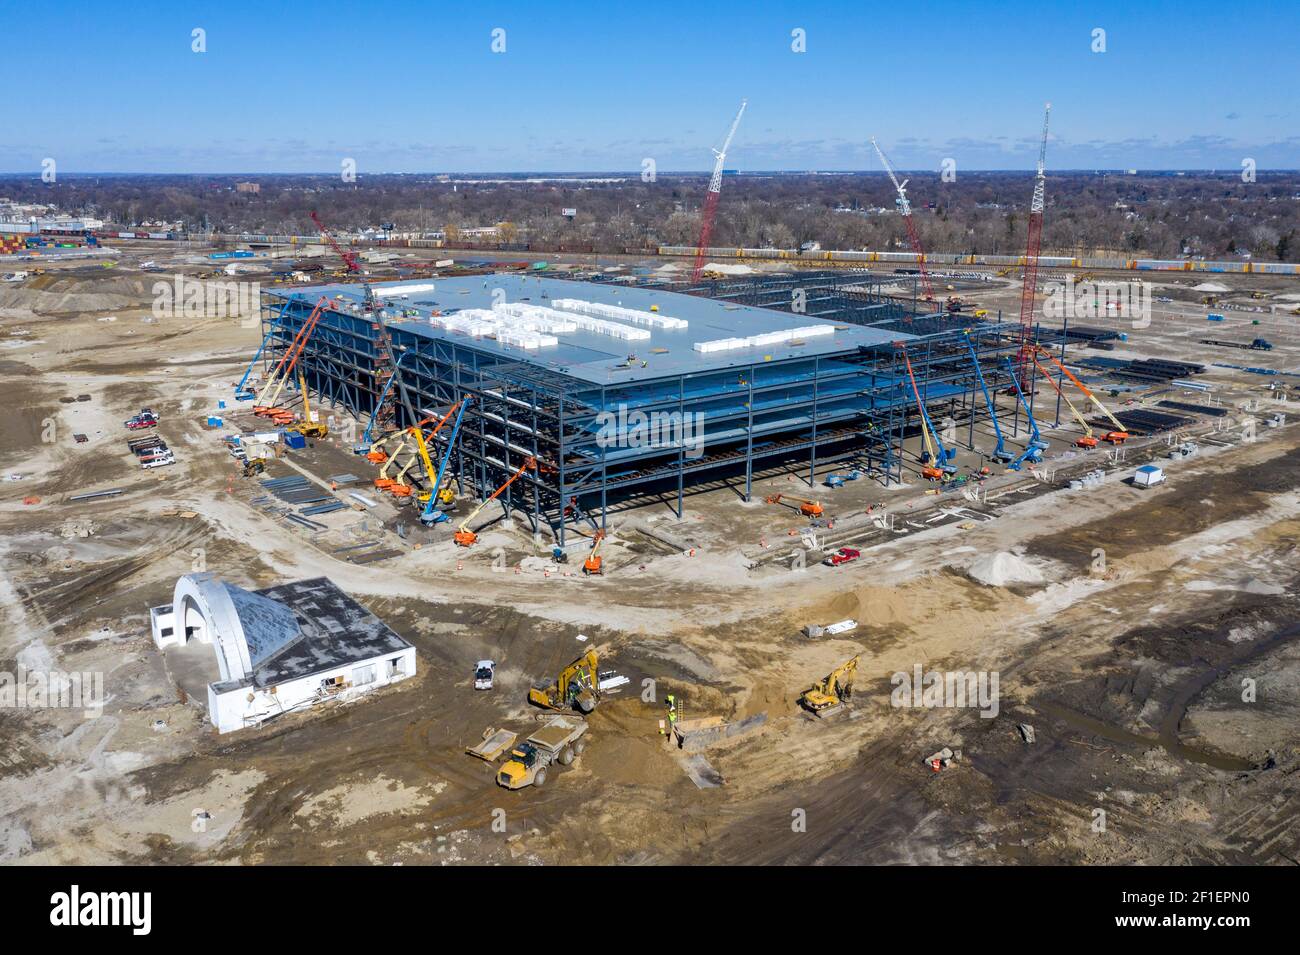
{"x": 905, "y": 207}
{"x": 1030, "y": 286}
{"x": 710, "y": 211}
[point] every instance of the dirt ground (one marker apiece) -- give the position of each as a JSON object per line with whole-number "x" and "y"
{"x": 1148, "y": 637}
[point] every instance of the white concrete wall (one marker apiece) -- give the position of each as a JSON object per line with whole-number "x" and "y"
{"x": 233, "y": 710}
{"x": 164, "y": 618}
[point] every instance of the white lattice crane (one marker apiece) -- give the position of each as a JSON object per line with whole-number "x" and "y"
{"x": 710, "y": 211}
{"x": 905, "y": 207}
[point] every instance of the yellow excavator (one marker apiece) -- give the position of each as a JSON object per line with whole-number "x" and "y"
{"x": 828, "y": 697}
{"x": 577, "y": 687}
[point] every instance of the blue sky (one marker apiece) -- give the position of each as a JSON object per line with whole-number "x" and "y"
{"x": 406, "y": 86}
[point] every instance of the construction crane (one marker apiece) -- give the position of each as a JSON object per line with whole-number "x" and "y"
{"x": 464, "y": 537}
{"x": 265, "y": 406}
{"x": 1000, "y": 453}
{"x": 1034, "y": 449}
{"x": 594, "y": 564}
{"x": 1087, "y": 440}
{"x": 710, "y": 210}
{"x": 578, "y": 685}
{"x": 1120, "y": 434}
{"x": 934, "y": 461}
{"x": 806, "y": 508}
{"x": 1030, "y": 285}
{"x": 431, "y": 513}
{"x": 365, "y": 446}
{"x": 349, "y": 260}
{"x": 829, "y": 696}
{"x": 905, "y": 207}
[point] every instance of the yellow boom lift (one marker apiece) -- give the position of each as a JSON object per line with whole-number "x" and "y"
{"x": 829, "y": 696}
{"x": 308, "y": 427}
{"x": 1120, "y": 434}
{"x": 384, "y": 482}
{"x": 578, "y": 685}
{"x": 1088, "y": 440}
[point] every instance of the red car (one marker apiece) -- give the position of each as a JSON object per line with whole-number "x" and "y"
{"x": 844, "y": 555}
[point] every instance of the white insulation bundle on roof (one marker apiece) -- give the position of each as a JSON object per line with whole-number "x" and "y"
{"x": 766, "y": 338}
{"x": 634, "y": 315}
{"x": 536, "y": 318}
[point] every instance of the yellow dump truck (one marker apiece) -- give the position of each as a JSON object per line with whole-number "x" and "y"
{"x": 561, "y": 740}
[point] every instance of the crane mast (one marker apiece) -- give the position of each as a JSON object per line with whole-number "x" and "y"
{"x": 1034, "y": 243}
{"x": 905, "y": 207}
{"x": 710, "y": 210}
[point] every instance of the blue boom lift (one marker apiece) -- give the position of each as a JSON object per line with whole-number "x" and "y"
{"x": 431, "y": 514}
{"x": 1034, "y": 450}
{"x": 243, "y": 393}
{"x": 1000, "y": 453}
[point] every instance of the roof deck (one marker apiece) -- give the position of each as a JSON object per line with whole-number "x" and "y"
{"x": 595, "y": 353}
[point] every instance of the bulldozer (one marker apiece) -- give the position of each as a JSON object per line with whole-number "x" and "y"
{"x": 829, "y": 697}
{"x": 577, "y": 687}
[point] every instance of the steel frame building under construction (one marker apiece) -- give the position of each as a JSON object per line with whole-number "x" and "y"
{"x": 741, "y": 377}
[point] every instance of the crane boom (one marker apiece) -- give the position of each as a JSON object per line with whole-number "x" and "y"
{"x": 1088, "y": 441}
{"x": 464, "y": 536}
{"x": 284, "y": 367}
{"x": 431, "y": 514}
{"x": 1034, "y": 243}
{"x": 710, "y": 210}
{"x": 939, "y": 456}
{"x": 913, "y": 237}
{"x": 1036, "y": 446}
{"x": 1080, "y": 385}
{"x": 1000, "y": 453}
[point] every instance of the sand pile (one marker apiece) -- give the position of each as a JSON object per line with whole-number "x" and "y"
{"x": 1211, "y": 287}
{"x": 1002, "y": 568}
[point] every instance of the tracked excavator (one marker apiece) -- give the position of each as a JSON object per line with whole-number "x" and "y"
{"x": 829, "y": 697}
{"x": 577, "y": 687}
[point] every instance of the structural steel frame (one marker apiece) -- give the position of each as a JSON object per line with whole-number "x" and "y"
{"x": 855, "y": 407}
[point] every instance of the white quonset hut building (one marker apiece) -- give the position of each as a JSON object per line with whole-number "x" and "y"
{"x": 276, "y": 650}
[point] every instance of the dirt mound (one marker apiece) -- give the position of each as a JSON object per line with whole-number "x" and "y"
{"x": 1002, "y": 568}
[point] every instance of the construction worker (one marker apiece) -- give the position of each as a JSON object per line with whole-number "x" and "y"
{"x": 671, "y": 704}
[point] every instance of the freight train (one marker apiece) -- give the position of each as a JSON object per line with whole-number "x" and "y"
{"x": 821, "y": 257}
